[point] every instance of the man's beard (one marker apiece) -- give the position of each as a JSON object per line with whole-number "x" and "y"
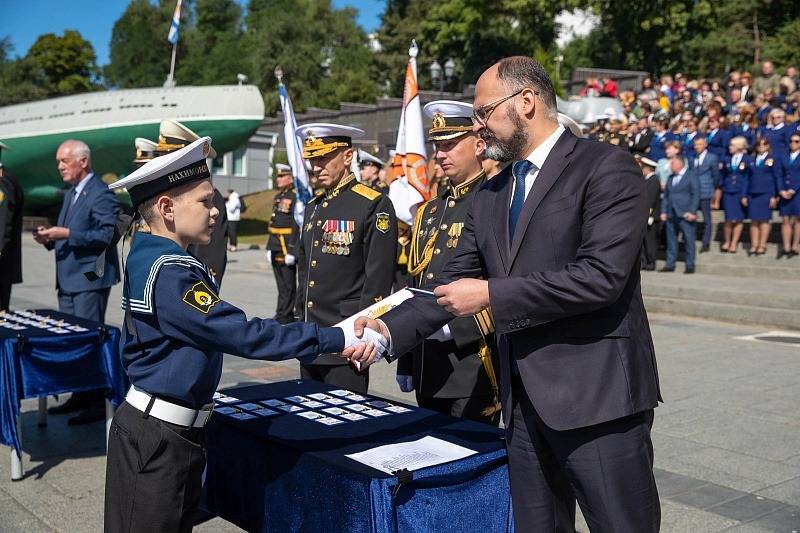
{"x": 505, "y": 151}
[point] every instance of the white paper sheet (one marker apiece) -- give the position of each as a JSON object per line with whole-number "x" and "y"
{"x": 427, "y": 451}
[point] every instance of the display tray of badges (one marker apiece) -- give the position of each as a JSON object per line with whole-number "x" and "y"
{"x": 42, "y": 323}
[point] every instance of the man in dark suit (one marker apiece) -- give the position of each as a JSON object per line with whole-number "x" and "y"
{"x": 85, "y": 228}
{"x": 678, "y": 209}
{"x": 556, "y": 237}
{"x": 11, "y": 200}
{"x": 706, "y": 168}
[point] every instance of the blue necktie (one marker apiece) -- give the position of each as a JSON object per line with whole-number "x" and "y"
{"x": 520, "y": 171}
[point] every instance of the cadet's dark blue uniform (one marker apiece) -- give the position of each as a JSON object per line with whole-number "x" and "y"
{"x": 718, "y": 140}
{"x": 180, "y": 330}
{"x": 790, "y": 182}
{"x": 762, "y": 188}
{"x": 735, "y": 184}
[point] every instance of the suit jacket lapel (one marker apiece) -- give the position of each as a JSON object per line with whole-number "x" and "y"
{"x": 553, "y": 166}
{"x": 502, "y": 203}
{"x": 64, "y": 206}
{"x": 78, "y": 201}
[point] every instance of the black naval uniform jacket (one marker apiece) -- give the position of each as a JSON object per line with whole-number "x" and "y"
{"x": 11, "y": 200}
{"x": 345, "y": 255}
{"x": 451, "y": 369}
{"x": 282, "y": 229}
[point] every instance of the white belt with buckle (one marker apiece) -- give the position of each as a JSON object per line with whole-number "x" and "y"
{"x": 167, "y": 411}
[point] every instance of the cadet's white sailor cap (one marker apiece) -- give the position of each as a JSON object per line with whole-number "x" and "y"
{"x": 283, "y": 169}
{"x": 570, "y": 124}
{"x": 644, "y": 159}
{"x": 145, "y": 149}
{"x": 173, "y": 135}
{"x": 167, "y": 171}
{"x": 451, "y": 119}
{"x": 366, "y": 158}
{"x": 321, "y": 138}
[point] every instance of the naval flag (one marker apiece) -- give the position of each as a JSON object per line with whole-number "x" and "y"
{"x": 176, "y": 22}
{"x": 410, "y": 186}
{"x": 294, "y": 152}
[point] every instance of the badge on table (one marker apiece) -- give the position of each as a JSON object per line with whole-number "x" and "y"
{"x": 200, "y": 297}
{"x": 382, "y": 222}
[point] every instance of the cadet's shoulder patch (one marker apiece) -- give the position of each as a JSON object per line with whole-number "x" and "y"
{"x": 2, "y": 196}
{"x": 200, "y": 297}
{"x": 366, "y": 192}
{"x": 382, "y": 222}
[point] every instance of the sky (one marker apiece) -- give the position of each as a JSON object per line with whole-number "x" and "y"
{"x": 24, "y": 21}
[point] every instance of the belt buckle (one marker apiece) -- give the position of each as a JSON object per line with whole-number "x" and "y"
{"x": 208, "y": 414}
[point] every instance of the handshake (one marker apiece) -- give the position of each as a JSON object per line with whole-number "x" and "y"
{"x": 365, "y": 342}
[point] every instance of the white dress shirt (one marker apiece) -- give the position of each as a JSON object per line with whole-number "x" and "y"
{"x": 538, "y": 157}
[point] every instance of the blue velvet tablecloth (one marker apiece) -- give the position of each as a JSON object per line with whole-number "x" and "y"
{"x": 290, "y": 474}
{"x": 36, "y": 362}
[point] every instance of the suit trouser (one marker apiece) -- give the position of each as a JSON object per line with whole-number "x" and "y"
{"x": 688, "y": 229}
{"x": 705, "y": 208}
{"x": 650, "y": 245}
{"x": 5, "y": 295}
{"x": 343, "y": 376}
{"x": 286, "y": 280}
{"x": 470, "y": 408}
{"x": 233, "y": 236}
{"x": 153, "y": 474}
{"x": 608, "y": 468}
{"x": 90, "y": 305}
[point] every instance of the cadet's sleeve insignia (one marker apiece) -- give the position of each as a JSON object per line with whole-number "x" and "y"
{"x": 2, "y": 197}
{"x": 200, "y": 297}
{"x": 383, "y": 222}
{"x": 367, "y": 192}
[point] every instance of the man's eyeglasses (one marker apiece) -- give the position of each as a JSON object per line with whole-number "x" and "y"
{"x": 481, "y": 115}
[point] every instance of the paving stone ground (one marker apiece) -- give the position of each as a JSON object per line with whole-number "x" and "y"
{"x": 726, "y": 439}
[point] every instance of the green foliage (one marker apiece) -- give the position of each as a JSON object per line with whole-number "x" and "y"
{"x": 140, "y": 53}
{"x": 701, "y": 38}
{"x": 784, "y": 47}
{"x": 321, "y": 50}
{"x": 474, "y": 33}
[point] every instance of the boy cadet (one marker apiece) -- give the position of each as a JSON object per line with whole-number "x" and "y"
{"x": 176, "y": 331}
{"x": 347, "y": 246}
{"x": 281, "y": 243}
{"x": 452, "y": 371}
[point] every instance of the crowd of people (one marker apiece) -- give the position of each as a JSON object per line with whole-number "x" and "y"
{"x": 739, "y": 138}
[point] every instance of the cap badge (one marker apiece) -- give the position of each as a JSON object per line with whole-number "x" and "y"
{"x": 438, "y": 120}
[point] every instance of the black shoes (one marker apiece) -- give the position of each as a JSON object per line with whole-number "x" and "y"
{"x": 75, "y": 403}
{"x": 667, "y": 269}
{"x": 689, "y": 270}
{"x": 705, "y": 248}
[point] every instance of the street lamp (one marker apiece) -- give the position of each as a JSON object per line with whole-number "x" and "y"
{"x": 436, "y": 73}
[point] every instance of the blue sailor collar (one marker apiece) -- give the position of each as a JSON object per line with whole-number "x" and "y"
{"x": 148, "y": 254}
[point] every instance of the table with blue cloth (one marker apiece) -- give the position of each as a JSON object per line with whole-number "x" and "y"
{"x": 286, "y": 473}
{"x": 44, "y": 352}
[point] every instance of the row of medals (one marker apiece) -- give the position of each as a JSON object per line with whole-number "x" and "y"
{"x": 337, "y": 242}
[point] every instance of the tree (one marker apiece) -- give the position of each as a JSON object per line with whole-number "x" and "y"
{"x": 64, "y": 65}
{"x": 140, "y": 53}
{"x": 214, "y": 48}
{"x": 17, "y": 77}
{"x": 782, "y": 48}
{"x": 474, "y": 33}
{"x": 321, "y": 50}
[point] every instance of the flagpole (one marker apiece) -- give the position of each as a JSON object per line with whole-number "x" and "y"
{"x": 171, "y": 77}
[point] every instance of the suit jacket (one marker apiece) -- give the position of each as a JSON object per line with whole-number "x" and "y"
{"x": 91, "y": 221}
{"x": 11, "y": 201}
{"x": 641, "y": 141}
{"x": 683, "y": 197}
{"x": 565, "y": 293}
{"x": 707, "y": 174}
{"x": 653, "y": 195}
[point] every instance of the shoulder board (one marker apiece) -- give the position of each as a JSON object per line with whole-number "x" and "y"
{"x": 366, "y": 192}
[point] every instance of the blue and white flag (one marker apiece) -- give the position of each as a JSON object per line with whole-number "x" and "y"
{"x": 176, "y": 22}
{"x": 294, "y": 152}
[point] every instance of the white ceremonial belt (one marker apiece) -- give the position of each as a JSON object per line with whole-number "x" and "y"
{"x": 167, "y": 411}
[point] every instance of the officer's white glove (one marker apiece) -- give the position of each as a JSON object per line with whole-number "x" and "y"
{"x": 441, "y": 335}
{"x": 650, "y": 221}
{"x": 406, "y": 383}
{"x": 289, "y": 259}
{"x": 269, "y": 256}
{"x": 370, "y": 335}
